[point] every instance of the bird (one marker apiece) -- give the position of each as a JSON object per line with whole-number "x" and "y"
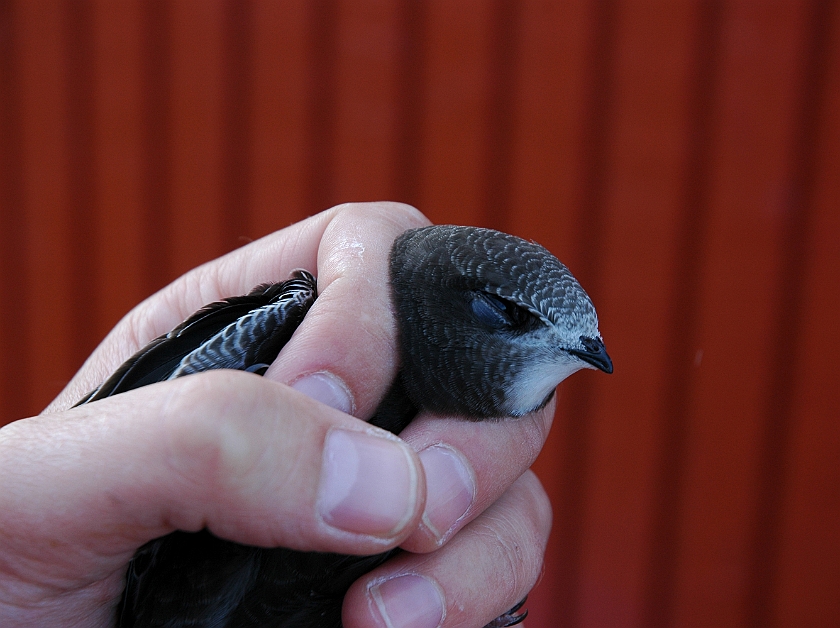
{"x": 488, "y": 325}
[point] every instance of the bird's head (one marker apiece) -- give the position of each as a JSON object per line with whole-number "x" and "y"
{"x": 489, "y": 323}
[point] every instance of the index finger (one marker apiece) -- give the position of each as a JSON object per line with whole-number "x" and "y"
{"x": 344, "y": 353}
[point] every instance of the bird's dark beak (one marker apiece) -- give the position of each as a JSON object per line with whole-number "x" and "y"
{"x": 594, "y": 353}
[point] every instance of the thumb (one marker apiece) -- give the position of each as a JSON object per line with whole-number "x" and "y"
{"x": 252, "y": 460}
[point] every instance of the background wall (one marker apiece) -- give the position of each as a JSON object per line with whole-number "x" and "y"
{"x": 680, "y": 156}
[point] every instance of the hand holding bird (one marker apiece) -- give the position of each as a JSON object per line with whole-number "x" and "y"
{"x": 246, "y": 503}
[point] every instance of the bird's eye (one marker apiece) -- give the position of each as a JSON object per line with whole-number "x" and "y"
{"x": 590, "y": 344}
{"x": 497, "y": 313}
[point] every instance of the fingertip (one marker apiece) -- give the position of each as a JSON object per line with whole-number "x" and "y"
{"x": 370, "y": 484}
{"x": 409, "y": 601}
{"x": 485, "y": 570}
{"x": 328, "y": 389}
{"x": 450, "y": 494}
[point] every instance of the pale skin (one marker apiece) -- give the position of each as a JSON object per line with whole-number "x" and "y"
{"x": 83, "y": 488}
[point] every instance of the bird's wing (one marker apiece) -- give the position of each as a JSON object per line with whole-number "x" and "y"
{"x": 271, "y": 313}
{"x": 220, "y": 573}
{"x": 240, "y": 332}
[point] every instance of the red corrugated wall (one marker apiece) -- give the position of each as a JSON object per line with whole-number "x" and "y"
{"x": 682, "y": 157}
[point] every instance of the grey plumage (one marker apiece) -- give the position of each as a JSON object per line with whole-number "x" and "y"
{"x": 488, "y": 325}
{"x": 244, "y": 333}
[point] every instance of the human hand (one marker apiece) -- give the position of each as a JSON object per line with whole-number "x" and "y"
{"x": 243, "y": 456}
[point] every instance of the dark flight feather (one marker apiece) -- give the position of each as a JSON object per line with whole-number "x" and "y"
{"x": 488, "y": 325}
{"x": 200, "y": 344}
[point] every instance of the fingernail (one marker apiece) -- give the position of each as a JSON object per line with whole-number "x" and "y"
{"x": 369, "y": 484}
{"x": 326, "y": 388}
{"x": 409, "y": 602}
{"x": 450, "y": 489}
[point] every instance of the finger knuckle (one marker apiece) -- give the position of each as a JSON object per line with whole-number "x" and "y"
{"x": 398, "y": 213}
{"x": 516, "y": 550}
{"x": 208, "y": 445}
